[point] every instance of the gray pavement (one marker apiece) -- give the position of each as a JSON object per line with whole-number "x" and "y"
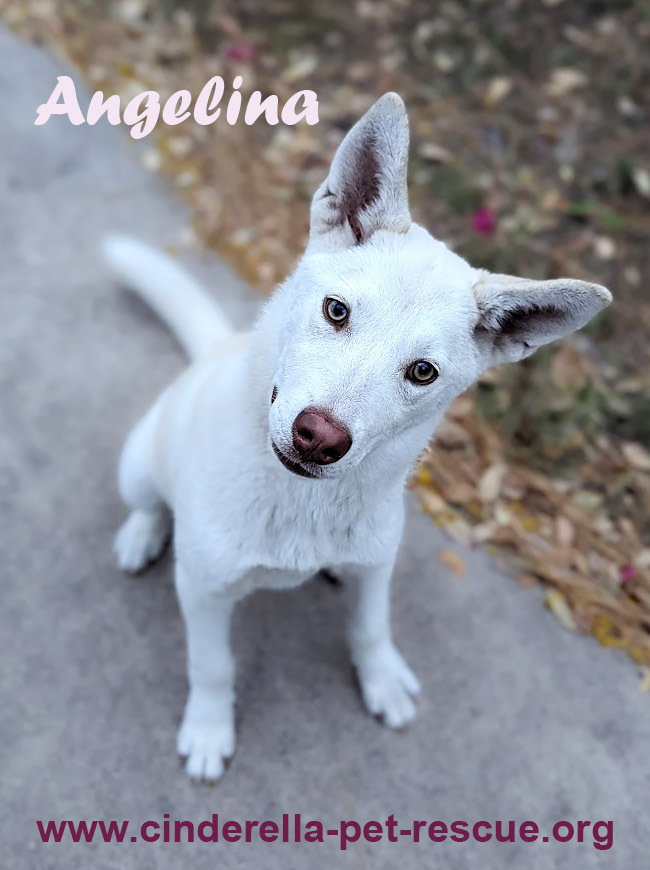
{"x": 519, "y": 718}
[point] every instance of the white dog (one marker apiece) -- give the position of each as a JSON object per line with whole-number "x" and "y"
{"x": 286, "y": 451}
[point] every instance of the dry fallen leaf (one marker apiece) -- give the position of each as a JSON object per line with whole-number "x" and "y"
{"x": 489, "y": 485}
{"x": 460, "y": 530}
{"x": 435, "y": 153}
{"x": 453, "y": 561}
{"x": 432, "y": 502}
{"x": 451, "y": 434}
{"x": 302, "y": 64}
{"x": 558, "y": 605}
{"x": 642, "y": 559}
{"x": 459, "y": 492}
{"x": 637, "y": 456}
{"x": 563, "y": 80}
{"x": 565, "y": 531}
{"x": 642, "y": 181}
{"x": 443, "y": 61}
{"x": 526, "y": 580}
{"x": 604, "y": 248}
{"x": 497, "y": 90}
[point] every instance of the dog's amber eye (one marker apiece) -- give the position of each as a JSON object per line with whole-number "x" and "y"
{"x": 335, "y": 311}
{"x": 422, "y": 372}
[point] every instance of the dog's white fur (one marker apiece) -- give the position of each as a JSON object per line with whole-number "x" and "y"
{"x": 204, "y": 450}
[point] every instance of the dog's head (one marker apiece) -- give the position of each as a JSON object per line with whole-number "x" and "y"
{"x": 381, "y": 326}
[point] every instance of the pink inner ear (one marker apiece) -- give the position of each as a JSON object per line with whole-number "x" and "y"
{"x": 361, "y": 189}
{"x": 519, "y": 322}
{"x": 520, "y": 312}
{"x": 513, "y": 322}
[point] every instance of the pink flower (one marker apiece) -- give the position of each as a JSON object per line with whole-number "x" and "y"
{"x": 241, "y": 52}
{"x": 626, "y": 573}
{"x": 484, "y": 222}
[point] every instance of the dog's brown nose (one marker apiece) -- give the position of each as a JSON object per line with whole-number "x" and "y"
{"x": 319, "y": 438}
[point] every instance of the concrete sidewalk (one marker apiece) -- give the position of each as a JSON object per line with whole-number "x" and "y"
{"x": 519, "y": 719}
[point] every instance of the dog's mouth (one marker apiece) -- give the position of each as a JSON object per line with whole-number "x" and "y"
{"x": 292, "y": 465}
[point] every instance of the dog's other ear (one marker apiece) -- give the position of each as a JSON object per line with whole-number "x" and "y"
{"x": 518, "y": 315}
{"x": 366, "y": 188}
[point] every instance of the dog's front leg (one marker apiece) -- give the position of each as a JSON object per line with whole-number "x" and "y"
{"x": 207, "y": 734}
{"x": 387, "y": 683}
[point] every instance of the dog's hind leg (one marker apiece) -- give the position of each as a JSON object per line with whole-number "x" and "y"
{"x": 142, "y": 538}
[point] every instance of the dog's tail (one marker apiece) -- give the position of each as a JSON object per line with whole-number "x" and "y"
{"x": 180, "y": 301}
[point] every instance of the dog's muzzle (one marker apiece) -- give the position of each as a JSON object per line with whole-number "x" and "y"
{"x": 293, "y": 466}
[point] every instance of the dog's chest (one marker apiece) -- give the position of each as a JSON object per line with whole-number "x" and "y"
{"x": 240, "y": 514}
{"x": 270, "y": 536}
{"x": 304, "y": 530}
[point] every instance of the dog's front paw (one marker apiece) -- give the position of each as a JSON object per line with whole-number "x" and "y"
{"x": 206, "y": 742}
{"x": 388, "y": 685}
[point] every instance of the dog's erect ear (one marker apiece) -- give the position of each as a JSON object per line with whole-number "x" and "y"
{"x": 366, "y": 189}
{"x": 518, "y": 315}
